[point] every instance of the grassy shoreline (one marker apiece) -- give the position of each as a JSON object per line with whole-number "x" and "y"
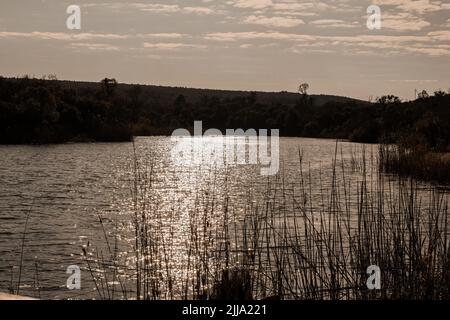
{"x": 416, "y": 162}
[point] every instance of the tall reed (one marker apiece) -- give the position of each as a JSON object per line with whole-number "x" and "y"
{"x": 289, "y": 242}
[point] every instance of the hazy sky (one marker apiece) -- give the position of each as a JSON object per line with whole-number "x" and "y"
{"x": 269, "y": 45}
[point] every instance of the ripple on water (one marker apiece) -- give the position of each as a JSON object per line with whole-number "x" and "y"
{"x": 64, "y": 189}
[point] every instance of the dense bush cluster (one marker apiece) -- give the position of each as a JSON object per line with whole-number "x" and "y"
{"x": 50, "y": 111}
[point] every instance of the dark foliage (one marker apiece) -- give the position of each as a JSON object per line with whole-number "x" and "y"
{"x": 51, "y": 111}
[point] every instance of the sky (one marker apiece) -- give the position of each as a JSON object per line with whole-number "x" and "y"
{"x": 267, "y": 45}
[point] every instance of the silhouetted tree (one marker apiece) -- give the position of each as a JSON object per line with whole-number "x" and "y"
{"x": 423, "y": 95}
{"x": 303, "y": 88}
{"x": 389, "y": 99}
{"x": 108, "y": 86}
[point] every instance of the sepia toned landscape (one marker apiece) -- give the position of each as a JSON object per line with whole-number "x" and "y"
{"x": 249, "y": 150}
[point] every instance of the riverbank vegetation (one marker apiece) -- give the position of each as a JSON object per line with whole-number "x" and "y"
{"x": 416, "y": 161}
{"x": 52, "y": 111}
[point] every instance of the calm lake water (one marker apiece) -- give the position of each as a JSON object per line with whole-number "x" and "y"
{"x": 65, "y": 189}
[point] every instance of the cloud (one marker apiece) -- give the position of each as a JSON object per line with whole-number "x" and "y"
{"x": 424, "y": 6}
{"x": 164, "y": 35}
{"x": 398, "y": 45}
{"x": 443, "y": 35}
{"x": 62, "y": 36}
{"x": 334, "y": 23}
{"x": 430, "y": 51}
{"x": 434, "y": 43}
{"x": 403, "y": 22}
{"x": 311, "y": 50}
{"x": 277, "y": 22}
{"x": 295, "y": 37}
{"x": 155, "y": 7}
{"x": 289, "y": 7}
{"x": 270, "y": 35}
{"x": 165, "y": 8}
{"x": 159, "y": 8}
{"x": 386, "y": 45}
{"x": 253, "y": 4}
{"x": 294, "y": 13}
{"x": 301, "y": 6}
{"x": 95, "y": 46}
{"x": 170, "y": 46}
{"x": 198, "y": 10}
{"x": 259, "y": 46}
{"x": 417, "y": 6}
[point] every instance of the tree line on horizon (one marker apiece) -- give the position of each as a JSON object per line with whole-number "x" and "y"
{"x": 50, "y": 111}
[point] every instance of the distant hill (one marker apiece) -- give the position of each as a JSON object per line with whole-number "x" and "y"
{"x": 196, "y": 94}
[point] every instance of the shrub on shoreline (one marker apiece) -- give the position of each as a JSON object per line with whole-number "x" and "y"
{"x": 417, "y": 162}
